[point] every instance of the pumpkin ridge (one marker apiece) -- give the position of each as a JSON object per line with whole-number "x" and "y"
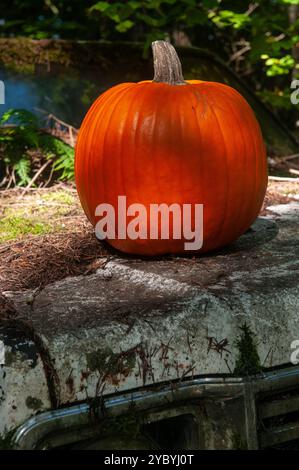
{"x": 96, "y": 160}
{"x": 115, "y": 94}
{"x": 258, "y": 150}
{"x": 106, "y": 111}
{"x": 245, "y": 153}
{"x": 156, "y": 148}
{"x": 106, "y": 159}
{"x": 119, "y": 138}
{"x": 200, "y": 159}
{"x": 130, "y": 120}
{"x": 222, "y": 224}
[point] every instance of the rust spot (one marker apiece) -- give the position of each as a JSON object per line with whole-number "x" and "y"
{"x": 70, "y": 384}
{"x": 84, "y": 375}
{"x": 218, "y": 346}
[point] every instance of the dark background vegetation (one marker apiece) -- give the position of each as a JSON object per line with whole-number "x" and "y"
{"x": 259, "y": 40}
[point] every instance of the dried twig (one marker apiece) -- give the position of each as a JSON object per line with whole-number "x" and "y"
{"x": 289, "y": 157}
{"x": 58, "y": 128}
{"x": 50, "y": 177}
{"x": 37, "y": 174}
{"x": 240, "y": 53}
{"x": 283, "y": 178}
{"x": 251, "y": 8}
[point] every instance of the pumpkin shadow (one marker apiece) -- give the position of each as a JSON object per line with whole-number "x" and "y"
{"x": 39, "y": 261}
{"x": 261, "y": 231}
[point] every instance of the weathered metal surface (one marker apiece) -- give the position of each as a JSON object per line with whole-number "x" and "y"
{"x": 23, "y": 384}
{"x": 284, "y": 433}
{"x": 210, "y": 413}
{"x": 137, "y": 322}
{"x": 45, "y": 428}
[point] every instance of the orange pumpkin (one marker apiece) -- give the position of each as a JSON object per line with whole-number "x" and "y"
{"x": 173, "y": 141}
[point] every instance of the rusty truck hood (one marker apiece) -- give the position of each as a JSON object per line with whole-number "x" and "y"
{"x": 137, "y": 322}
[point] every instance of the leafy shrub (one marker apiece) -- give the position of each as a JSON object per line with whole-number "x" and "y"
{"x": 20, "y": 134}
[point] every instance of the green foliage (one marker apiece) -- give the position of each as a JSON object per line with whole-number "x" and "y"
{"x": 61, "y": 154}
{"x": 290, "y": 2}
{"x": 22, "y": 168}
{"x": 226, "y": 18}
{"x": 23, "y": 118}
{"x": 279, "y": 99}
{"x": 16, "y": 139}
{"x": 257, "y": 38}
{"x": 261, "y": 23}
{"x": 279, "y": 66}
{"x": 270, "y": 36}
{"x": 19, "y": 135}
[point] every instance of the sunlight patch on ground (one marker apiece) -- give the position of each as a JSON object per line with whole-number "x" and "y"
{"x": 37, "y": 213}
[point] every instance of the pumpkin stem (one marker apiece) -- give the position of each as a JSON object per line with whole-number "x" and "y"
{"x": 167, "y": 64}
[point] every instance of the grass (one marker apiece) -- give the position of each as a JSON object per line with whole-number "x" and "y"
{"x": 60, "y": 196}
{"x": 13, "y": 227}
{"x": 36, "y": 213}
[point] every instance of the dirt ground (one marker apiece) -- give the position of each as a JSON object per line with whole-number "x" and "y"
{"x": 45, "y": 236}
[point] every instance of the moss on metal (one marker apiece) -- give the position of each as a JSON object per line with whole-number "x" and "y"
{"x": 127, "y": 430}
{"x": 6, "y": 442}
{"x": 108, "y": 363}
{"x": 128, "y": 426}
{"x": 238, "y": 443}
{"x": 33, "y": 403}
{"x": 248, "y": 361}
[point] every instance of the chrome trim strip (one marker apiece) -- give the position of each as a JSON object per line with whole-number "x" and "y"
{"x": 38, "y": 427}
